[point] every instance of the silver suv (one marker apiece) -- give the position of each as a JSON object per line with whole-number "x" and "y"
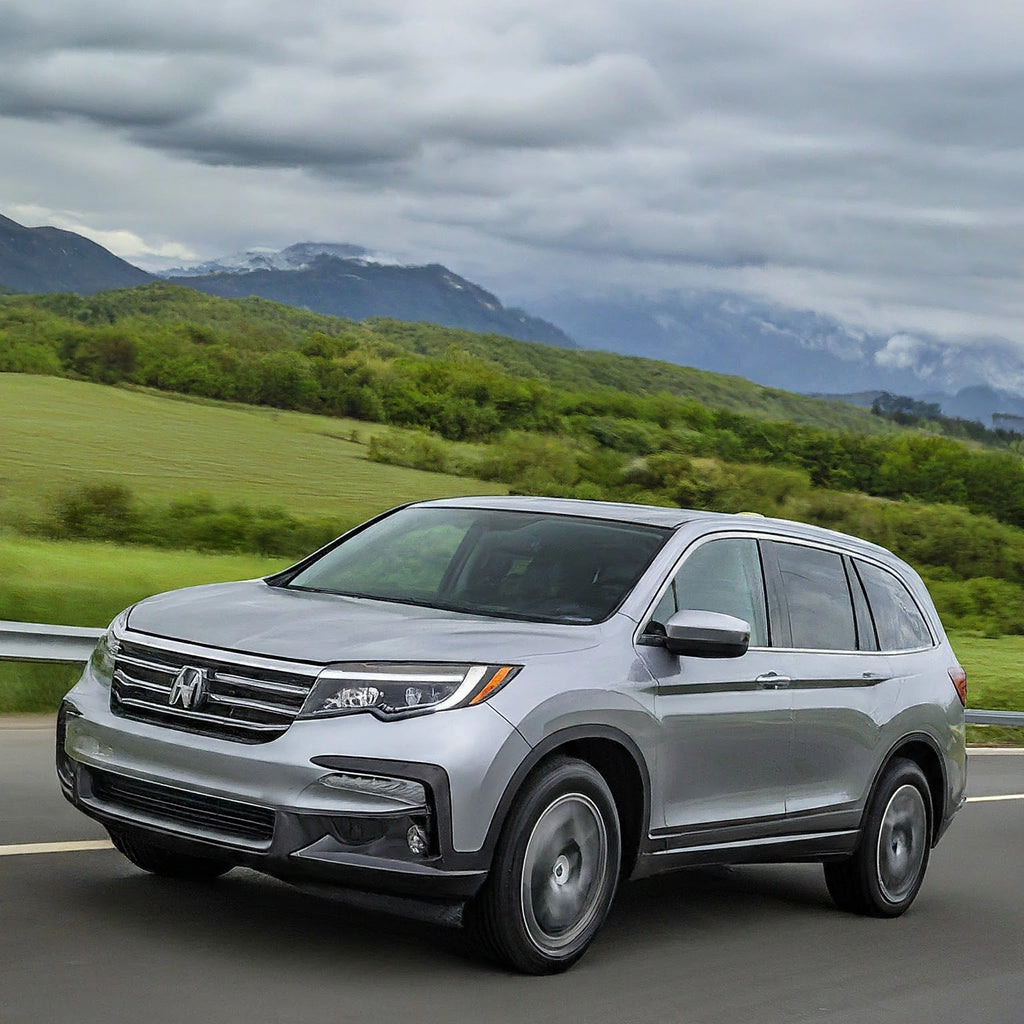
{"x": 495, "y": 710}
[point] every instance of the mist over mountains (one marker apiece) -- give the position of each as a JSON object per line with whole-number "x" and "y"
{"x": 794, "y": 350}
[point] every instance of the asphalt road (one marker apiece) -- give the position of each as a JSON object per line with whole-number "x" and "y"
{"x": 85, "y": 937}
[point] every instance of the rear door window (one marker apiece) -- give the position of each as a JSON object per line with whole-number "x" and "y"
{"x": 817, "y": 595}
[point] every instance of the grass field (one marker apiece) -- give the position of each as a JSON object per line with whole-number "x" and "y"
{"x": 58, "y": 434}
{"x": 995, "y": 681}
{"x": 75, "y": 584}
{"x": 80, "y": 584}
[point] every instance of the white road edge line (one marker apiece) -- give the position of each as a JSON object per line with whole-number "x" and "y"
{"x": 27, "y": 848}
{"x": 992, "y": 799}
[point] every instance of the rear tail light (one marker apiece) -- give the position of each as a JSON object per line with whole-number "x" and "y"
{"x": 959, "y": 679}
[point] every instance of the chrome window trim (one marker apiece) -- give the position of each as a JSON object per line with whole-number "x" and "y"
{"x": 833, "y": 650}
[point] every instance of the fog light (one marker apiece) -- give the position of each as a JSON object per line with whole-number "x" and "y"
{"x": 417, "y": 839}
{"x": 358, "y": 831}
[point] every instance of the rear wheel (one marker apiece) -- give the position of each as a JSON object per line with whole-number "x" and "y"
{"x": 554, "y": 872}
{"x": 885, "y": 872}
{"x": 160, "y": 861}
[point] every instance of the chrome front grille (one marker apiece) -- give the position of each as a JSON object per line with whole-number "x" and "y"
{"x": 248, "y": 700}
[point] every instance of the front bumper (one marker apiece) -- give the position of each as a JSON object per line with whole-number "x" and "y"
{"x": 266, "y": 808}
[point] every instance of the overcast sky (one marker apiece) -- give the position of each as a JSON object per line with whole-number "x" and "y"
{"x": 862, "y": 158}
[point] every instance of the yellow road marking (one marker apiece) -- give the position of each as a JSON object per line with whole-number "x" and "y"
{"x": 23, "y": 848}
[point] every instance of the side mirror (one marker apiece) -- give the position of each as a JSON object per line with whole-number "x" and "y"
{"x": 701, "y": 634}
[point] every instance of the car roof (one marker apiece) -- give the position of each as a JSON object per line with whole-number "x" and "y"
{"x": 670, "y": 518}
{"x": 648, "y": 515}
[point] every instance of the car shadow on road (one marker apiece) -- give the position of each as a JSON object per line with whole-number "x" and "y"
{"x": 692, "y": 897}
{"x": 248, "y": 917}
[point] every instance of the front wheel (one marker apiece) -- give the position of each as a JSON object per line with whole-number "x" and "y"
{"x": 885, "y": 872}
{"x": 554, "y": 872}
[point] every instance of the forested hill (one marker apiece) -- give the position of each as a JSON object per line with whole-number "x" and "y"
{"x": 150, "y": 334}
{"x": 600, "y": 408}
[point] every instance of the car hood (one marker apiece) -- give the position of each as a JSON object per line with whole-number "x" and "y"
{"x": 256, "y": 618}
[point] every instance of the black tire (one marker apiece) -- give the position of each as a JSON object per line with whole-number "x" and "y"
{"x": 160, "y": 861}
{"x": 554, "y": 872}
{"x": 885, "y": 872}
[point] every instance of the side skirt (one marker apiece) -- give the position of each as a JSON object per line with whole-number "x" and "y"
{"x": 794, "y": 848}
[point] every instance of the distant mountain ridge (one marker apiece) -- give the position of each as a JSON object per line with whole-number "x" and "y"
{"x": 313, "y": 276}
{"x": 797, "y": 350}
{"x": 325, "y": 277}
{"x": 52, "y": 260}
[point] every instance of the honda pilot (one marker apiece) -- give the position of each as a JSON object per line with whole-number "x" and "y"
{"x": 495, "y": 711}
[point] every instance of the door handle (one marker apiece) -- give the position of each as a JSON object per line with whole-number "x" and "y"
{"x": 772, "y": 681}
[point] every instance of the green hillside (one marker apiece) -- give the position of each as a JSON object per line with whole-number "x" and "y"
{"x": 59, "y": 434}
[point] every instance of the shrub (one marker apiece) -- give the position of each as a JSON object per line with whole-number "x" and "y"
{"x": 96, "y": 512}
{"x": 416, "y": 451}
{"x": 25, "y": 357}
{"x": 110, "y": 512}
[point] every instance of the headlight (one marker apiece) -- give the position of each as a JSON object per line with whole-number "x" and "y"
{"x": 395, "y": 690}
{"x": 101, "y": 662}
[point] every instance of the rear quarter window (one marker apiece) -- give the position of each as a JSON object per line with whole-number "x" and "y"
{"x": 898, "y": 620}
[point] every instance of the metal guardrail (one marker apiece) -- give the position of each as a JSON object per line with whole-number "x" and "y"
{"x": 30, "y": 641}
{"x": 975, "y": 716}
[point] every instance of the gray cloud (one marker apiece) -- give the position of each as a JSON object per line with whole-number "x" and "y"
{"x": 862, "y": 158}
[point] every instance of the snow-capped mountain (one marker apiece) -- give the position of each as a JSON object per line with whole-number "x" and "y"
{"x": 296, "y": 257}
{"x": 353, "y": 282}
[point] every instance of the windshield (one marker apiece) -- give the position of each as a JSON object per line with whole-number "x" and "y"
{"x": 522, "y": 565}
